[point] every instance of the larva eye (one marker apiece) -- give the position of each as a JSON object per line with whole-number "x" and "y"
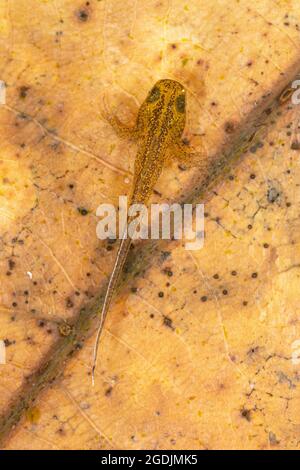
{"x": 180, "y": 103}
{"x": 154, "y": 95}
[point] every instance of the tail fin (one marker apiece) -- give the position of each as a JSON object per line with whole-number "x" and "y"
{"x": 113, "y": 281}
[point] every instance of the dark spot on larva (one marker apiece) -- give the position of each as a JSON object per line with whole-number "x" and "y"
{"x": 134, "y": 290}
{"x": 266, "y": 245}
{"x": 14, "y": 304}
{"x": 233, "y": 273}
{"x": 161, "y": 294}
{"x": 174, "y": 46}
{"x": 249, "y": 63}
{"x": 252, "y": 176}
{"x": 216, "y": 276}
{"x": 168, "y": 322}
{"x": 203, "y": 298}
{"x": 8, "y": 342}
{"x": 229, "y": 127}
{"x": 109, "y": 248}
{"x": 254, "y": 275}
{"x": 82, "y": 15}
{"x": 224, "y": 291}
{"x": 246, "y": 414}
{"x": 272, "y": 195}
{"x": 153, "y": 95}
{"x": 250, "y": 227}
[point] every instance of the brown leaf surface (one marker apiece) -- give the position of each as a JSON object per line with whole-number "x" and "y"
{"x": 211, "y": 362}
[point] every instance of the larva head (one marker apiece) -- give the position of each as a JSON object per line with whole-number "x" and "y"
{"x": 164, "y": 107}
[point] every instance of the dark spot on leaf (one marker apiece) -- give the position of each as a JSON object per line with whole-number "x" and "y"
{"x": 69, "y": 303}
{"x": 108, "y": 392}
{"x": 165, "y": 255}
{"x": 83, "y": 15}
{"x": 168, "y": 322}
{"x": 185, "y": 141}
{"x": 168, "y": 272}
{"x": 11, "y": 264}
{"x": 82, "y": 210}
{"x": 229, "y": 127}
{"x": 23, "y": 92}
{"x": 272, "y": 194}
{"x": 295, "y": 145}
{"x": 246, "y": 414}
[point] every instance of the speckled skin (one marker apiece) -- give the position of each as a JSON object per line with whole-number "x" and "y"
{"x": 159, "y": 127}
